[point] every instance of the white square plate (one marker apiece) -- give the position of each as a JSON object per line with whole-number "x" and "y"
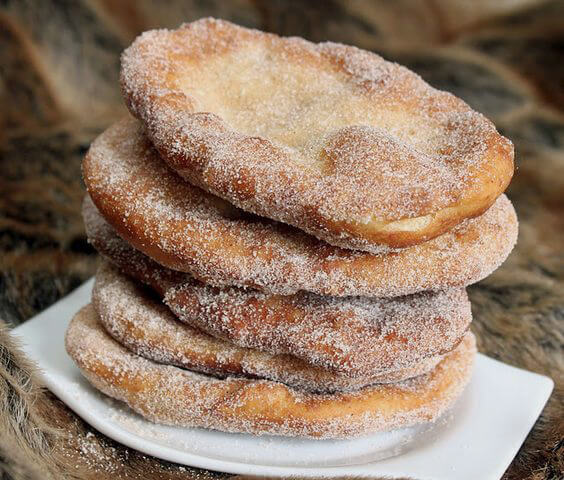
{"x": 478, "y": 439}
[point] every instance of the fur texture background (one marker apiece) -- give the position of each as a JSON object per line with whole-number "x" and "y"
{"x": 59, "y": 65}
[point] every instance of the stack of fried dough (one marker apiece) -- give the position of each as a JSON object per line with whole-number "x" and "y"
{"x": 287, "y": 230}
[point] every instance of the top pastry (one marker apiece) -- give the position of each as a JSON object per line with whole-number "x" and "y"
{"x": 334, "y": 140}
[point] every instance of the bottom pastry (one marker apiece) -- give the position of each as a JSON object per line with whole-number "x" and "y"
{"x": 175, "y": 396}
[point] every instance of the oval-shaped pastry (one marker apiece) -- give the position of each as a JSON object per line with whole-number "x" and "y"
{"x": 145, "y": 326}
{"x": 356, "y": 336}
{"x": 184, "y": 228}
{"x": 352, "y": 335}
{"x": 103, "y": 237}
{"x": 358, "y": 151}
{"x": 175, "y": 396}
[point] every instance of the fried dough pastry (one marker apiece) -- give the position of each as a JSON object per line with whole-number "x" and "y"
{"x": 145, "y": 326}
{"x": 103, "y": 237}
{"x": 354, "y": 336}
{"x": 174, "y": 396}
{"x": 334, "y": 140}
{"x": 184, "y": 228}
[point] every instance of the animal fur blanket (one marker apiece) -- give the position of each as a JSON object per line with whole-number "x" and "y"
{"x": 59, "y": 64}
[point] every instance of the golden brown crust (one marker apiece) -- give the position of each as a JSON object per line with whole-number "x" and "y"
{"x": 127, "y": 259}
{"x": 186, "y": 229}
{"x": 170, "y": 395}
{"x": 334, "y": 140}
{"x": 145, "y": 326}
{"x": 359, "y": 337}
{"x": 354, "y": 335}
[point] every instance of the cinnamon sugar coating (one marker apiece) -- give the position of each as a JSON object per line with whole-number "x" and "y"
{"x": 358, "y": 151}
{"x": 103, "y": 237}
{"x": 174, "y": 396}
{"x": 353, "y": 336}
{"x": 137, "y": 320}
{"x": 186, "y": 229}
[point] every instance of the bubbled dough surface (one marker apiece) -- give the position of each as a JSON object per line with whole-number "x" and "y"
{"x": 335, "y": 140}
